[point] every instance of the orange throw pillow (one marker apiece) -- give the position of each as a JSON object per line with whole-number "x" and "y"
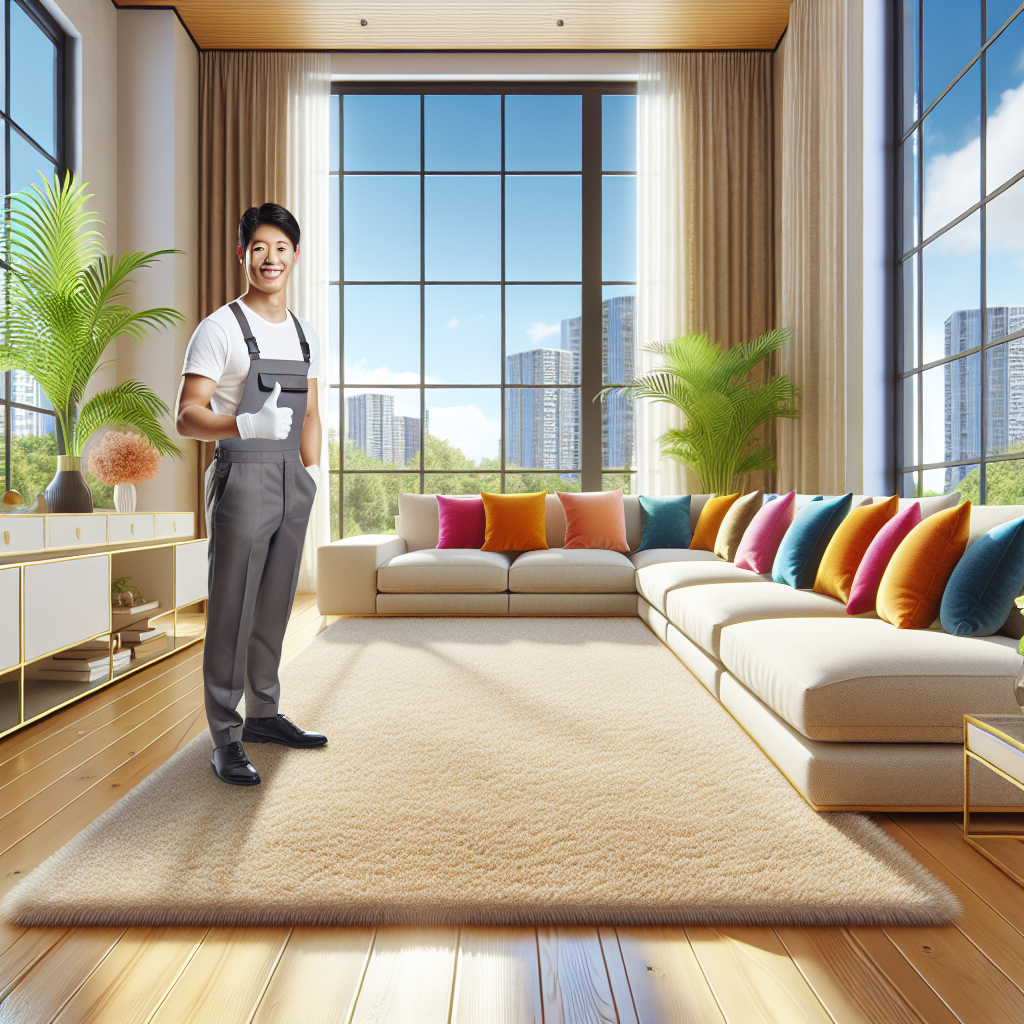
{"x": 595, "y": 520}
{"x": 846, "y": 549}
{"x": 514, "y": 522}
{"x": 910, "y": 593}
{"x": 710, "y": 521}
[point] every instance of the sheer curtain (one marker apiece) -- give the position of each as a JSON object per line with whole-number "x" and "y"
{"x": 264, "y": 137}
{"x": 705, "y": 226}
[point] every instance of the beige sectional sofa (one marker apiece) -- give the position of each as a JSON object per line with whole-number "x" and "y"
{"x": 856, "y": 713}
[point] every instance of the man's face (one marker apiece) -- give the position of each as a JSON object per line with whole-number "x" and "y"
{"x": 269, "y": 259}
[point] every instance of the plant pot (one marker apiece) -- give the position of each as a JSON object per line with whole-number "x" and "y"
{"x": 124, "y": 497}
{"x": 68, "y": 491}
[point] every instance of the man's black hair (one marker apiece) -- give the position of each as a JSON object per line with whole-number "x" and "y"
{"x": 268, "y": 213}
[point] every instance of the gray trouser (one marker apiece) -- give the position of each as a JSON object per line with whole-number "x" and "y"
{"x": 258, "y": 504}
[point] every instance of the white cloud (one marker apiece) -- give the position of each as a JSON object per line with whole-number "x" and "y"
{"x": 357, "y": 373}
{"x": 537, "y": 331}
{"x": 468, "y": 429}
{"x": 454, "y": 322}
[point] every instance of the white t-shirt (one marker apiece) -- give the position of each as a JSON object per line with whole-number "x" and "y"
{"x": 217, "y": 350}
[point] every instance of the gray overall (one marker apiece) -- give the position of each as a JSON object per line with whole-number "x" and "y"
{"x": 258, "y": 499}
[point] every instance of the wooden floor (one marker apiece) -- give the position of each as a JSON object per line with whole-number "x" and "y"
{"x": 57, "y": 776}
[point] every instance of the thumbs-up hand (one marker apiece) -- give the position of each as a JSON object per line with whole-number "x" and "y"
{"x": 270, "y": 423}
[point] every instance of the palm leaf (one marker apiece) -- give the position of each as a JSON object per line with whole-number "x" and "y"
{"x": 129, "y": 404}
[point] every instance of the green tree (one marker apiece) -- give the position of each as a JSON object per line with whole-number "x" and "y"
{"x": 33, "y": 463}
{"x": 1004, "y": 484}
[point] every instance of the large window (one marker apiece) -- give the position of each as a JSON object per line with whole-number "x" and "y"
{"x": 31, "y": 109}
{"x": 483, "y": 282}
{"x": 960, "y": 282}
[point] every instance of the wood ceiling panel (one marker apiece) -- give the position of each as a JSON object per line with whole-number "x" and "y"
{"x": 481, "y": 24}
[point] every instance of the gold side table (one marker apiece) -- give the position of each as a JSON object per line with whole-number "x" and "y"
{"x": 997, "y": 743}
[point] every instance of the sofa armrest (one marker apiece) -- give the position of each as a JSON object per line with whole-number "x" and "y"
{"x": 346, "y": 573}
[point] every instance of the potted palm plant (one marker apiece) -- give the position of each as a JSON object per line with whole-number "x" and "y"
{"x": 723, "y": 406}
{"x": 63, "y": 310}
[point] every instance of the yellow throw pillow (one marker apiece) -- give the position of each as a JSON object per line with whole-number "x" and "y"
{"x": 710, "y": 522}
{"x": 846, "y": 549}
{"x": 514, "y": 522}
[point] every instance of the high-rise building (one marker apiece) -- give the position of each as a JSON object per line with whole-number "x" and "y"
{"x": 405, "y": 441}
{"x": 542, "y": 424}
{"x": 374, "y": 429}
{"x": 24, "y": 422}
{"x": 618, "y": 366}
{"x": 1004, "y": 387}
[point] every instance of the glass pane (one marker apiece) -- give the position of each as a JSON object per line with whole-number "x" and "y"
{"x": 9, "y": 700}
{"x": 911, "y": 453}
{"x": 952, "y": 155}
{"x": 627, "y": 481}
{"x": 382, "y": 133}
{"x": 335, "y": 485}
{"x": 33, "y": 80}
{"x": 333, "y": 334}
{"x": 908, "y": 486}
{"x": 27, "y": 391}
{"x": 618, "y": 133}
{"x": 910, "y": 97}
{"x": 334, "y": 199}
{"x": 26, "y": 163}
{"x": 1004, "y": 483}
{"x": 463, "y": 334}
{"x": 1004, "y": 155}
{"x": 382, "y": 334}
{"x": 618, "y": 350}
{"x": 382, "y": 428}
{"x": 952, "y": 411}
{"x": 908, "y": 198}
{"x": 952, "y": 36}
{"x": 618, "y": 227}
{"x": 462, "y": 133}
{"x": 334, "y": 155}
{"x": 543, "y": 133}
{"x": 463, "y": 229}
{"x": 1004, "y": 268}
{"x": 951, "y": 279}
{"x": 997, "y": 12}
{"x": 531, "y": 483}
{"x": 334, "y": 428}
{"x": 908, "y": 303}
{"x": 33, "y": 452}
{"x": 462, "y": 483}
{"x": 382, "y": 228}
{"x": 1004, "y": 395}
{"x": 945, "y": 481}
{"x": 617, "y": 435}
{"x": 371, "y": 500}
{"x": 463, "y": 428}
{"x": 543, "y": 316}
{"x": 543, "y": 224}
{"x": 542, "y": 425}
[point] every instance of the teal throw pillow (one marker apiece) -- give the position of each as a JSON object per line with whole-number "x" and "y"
{"x": 801, "y": 550}
{"x": 665, "y": 522}
{"x": 981, "y": 589}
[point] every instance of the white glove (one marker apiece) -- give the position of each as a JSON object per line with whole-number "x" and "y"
{"x": 270, "y": 423}
{"x": 314, "y": 472}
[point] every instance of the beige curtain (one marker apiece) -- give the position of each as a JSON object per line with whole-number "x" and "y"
{"x": 705, "y": 229}
{"x": 811, "y": 450}
{"x": 264, "y": 137}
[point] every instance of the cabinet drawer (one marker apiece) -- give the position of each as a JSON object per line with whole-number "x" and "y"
{"x": 65, "y": 603}
{"x": 75, "y": 531}
{"x": 122, "y": 529}
{"x": 175, "y": 524}
{"x": 20, "y": 533}
{"x": 10, "y": 618}
{"x": 191, "y": 572}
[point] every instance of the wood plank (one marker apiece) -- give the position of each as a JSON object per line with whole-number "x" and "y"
{"x": 960, "y": 974}
{"x": 497, "y": 980}
{"x": 844, "y": 979}
{"x": 134, "y": 977}
{"x": 225, "y": 978}
{"x": 9, "y": 935}
{"x": 22, "y": 955}
{"x": 617, "y": 977}
{"x": 665, "y": 977}
{"x": 55, "y": 977}
{"x": 574, "y": 980}
{"x": 896, "y": 968}
{"x": 753, "y": 977}
{"x": 317, "y": 978}
{"x": 410, "y": 977}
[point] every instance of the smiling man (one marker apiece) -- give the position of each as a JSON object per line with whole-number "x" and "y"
{"x": 250, "y": 383}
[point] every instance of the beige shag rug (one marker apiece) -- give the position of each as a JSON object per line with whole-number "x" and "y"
{"x": 492, "y": 771}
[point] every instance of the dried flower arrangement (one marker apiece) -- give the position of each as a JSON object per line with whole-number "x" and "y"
{"x": 122, "y": 458}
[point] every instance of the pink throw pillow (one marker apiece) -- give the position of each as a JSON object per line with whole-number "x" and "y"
{"x": 595, "y": 520}
{"x": 462, "y": 521}
{"x": 760, "y": 543}
{"x": 864, "y": 589}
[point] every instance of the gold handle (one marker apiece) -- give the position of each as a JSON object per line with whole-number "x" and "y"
{"x": 133, "y": 527}
{"x": 78, "y": 532}
{"x": 175, "y": 525}
{"x": 7, "y": 536}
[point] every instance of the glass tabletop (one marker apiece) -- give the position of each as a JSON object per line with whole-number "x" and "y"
{"x": 1007, "y": 727}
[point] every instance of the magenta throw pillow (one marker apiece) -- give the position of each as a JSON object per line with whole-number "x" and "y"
{"x": 761, "y": 540}
{"x": 864, "y": 589}
{"x": 461, "y": 521}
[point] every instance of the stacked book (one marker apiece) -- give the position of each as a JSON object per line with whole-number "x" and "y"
{"x": 134, "y": 632}
{"x": 86, "y": 663}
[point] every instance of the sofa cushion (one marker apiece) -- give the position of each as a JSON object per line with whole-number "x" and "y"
{"x": 701, "y": 612}
{"x": 863, "y": 680}
{"x": 654, "y": 582}
{"x": 571, "y": 571}
{"x": 418, "y": 520}
{"x": 655, "y": 555}
{"x": 445, "y": 571}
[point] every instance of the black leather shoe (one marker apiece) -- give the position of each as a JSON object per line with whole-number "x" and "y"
{"x": 231, "y": 765}
{"x": 280, "y": 730}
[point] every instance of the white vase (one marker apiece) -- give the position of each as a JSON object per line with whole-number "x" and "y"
{"x": 124, "y": 497}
